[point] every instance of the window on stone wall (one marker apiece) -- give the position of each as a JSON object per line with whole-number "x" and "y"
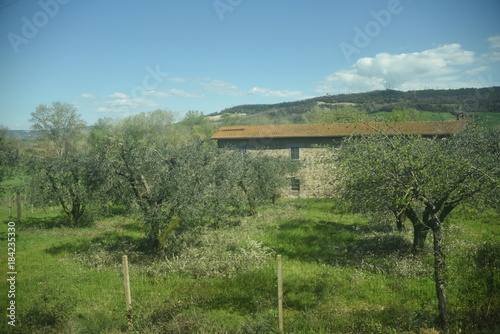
{"x": 295, "y": 184}
{"x": 294, "y": 153}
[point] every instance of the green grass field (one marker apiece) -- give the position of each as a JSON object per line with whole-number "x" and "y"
{"x": 421, "y": 115}
{"x": 343, "y": 273}
{"x": 489, "y": 118}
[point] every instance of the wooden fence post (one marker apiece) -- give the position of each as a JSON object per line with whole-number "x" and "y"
{"x": 128, "y": 296}
{"x": 10, "y": 204}
{"x": 18, "y": 203}
{"x": 280, "y": 295}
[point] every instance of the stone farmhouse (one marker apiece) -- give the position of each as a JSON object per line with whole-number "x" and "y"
{"x": 307, "y": 142}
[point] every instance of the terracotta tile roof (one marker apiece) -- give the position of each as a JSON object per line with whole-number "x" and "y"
{"x": 338, "y": 129}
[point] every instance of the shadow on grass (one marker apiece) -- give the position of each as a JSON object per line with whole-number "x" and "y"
{"x": 44, "y": 222}
{"x": 53, "y": 221}
{"x": 308, "y": 240}
{"x": 328, "y": 241}
{"x": 381, "y": 244}
{"x": 109, "y": 242}
{"x": 390, "y": 319}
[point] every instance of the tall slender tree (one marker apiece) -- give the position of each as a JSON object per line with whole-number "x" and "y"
{"x": 59, "y": 125}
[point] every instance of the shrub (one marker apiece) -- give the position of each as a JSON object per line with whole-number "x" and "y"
{"x": 219, "y": 254}
{"x": 107, "y": 251}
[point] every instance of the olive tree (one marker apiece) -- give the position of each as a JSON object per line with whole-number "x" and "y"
{"x": 425, "y": 178}
{"x": 172, "y": 186}
{"x": 261, "y": 177}
{"x": 72, "y": 181}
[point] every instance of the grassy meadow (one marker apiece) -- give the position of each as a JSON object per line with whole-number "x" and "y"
{"x": 343, "y": 273}
{"x": 424, "y": 116}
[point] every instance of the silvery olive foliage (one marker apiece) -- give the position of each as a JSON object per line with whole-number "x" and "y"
{"x": 73, "y": 181}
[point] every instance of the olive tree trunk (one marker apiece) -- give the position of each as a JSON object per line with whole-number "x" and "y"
{"x": 439, "y": 278}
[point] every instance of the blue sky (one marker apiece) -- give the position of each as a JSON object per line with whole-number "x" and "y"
{"x": 116, "y": 58}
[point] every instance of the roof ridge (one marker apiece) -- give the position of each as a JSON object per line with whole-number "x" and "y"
{"x": 339, "y": 129}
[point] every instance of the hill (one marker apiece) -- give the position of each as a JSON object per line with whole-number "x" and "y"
{"x": 449, "y": 103}
{"x": 21, "y": 134}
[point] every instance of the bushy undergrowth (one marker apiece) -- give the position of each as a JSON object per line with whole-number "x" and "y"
{"x": 107, "y": 251}
{"x": 216, "y": 255}
{"x": 219, "y": 254}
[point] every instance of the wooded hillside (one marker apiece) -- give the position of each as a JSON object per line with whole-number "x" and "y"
{"x": 467, "y": 101}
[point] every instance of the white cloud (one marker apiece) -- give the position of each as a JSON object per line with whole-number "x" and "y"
{"x": 107, "y": 109}
{"x": 494, "y": 42}
{"x": 220, "y": 87}
{"x": 477, "y": 70}
{"x": 172, "y": 92}
{"x": 117, "y": 96}
{"x": 229, "y": 89}
{"x": 404, "y": 71}
{"x": 354, "y": 81}
{"x": 494, "y": 55}
{"x": 156, "y": 93}
{"x": 87, "y": 96}
{"x": 257, "y": 90}
{"x": 184, "y": 93}
{"x": 120, "y": 103}
{"x": 275, "y": 93}
{"x": 180, "y": 80}
{"x": 124, "y": 105}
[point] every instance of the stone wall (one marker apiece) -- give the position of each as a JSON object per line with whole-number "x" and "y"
{"x": 314, "y": 178}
